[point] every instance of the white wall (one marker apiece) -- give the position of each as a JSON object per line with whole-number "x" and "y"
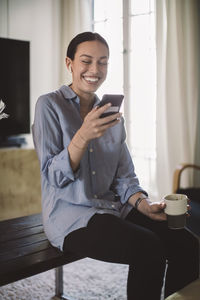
{"x": 37, "y": 21}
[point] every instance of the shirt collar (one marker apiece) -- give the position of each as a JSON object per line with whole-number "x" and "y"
{"x": 68, "y": 93}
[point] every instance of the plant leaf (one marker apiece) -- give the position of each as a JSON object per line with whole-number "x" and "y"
{"x": 3, "y": 116}
{"x": 2, "y": 106}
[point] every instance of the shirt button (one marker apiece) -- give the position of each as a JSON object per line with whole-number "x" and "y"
{"x": 93, "y": 172}
{"x": 91, "y": 150}
{"x": 95, "y": 196}
{"x": 113, "y": 206}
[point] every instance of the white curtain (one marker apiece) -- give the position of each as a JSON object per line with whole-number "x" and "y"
{"x": 76, "y": 17}
{"x": 177, "y": 87}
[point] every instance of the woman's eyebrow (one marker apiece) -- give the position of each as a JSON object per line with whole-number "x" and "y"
{"x": 89, "y": 56}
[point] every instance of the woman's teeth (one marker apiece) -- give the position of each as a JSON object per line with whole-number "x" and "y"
{"x": 91, "y": 79}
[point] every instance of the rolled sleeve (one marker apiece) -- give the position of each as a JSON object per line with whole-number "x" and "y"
{"x": 47, "y": 134}
{"x": 58, "y": 170}
{"x": 131, "y": 191}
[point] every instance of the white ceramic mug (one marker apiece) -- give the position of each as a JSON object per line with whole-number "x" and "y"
{"x": 176, "y": 208}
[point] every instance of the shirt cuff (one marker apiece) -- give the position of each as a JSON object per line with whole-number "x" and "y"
{"x": 131, "y": 191}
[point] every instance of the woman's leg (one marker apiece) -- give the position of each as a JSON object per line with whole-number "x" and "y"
{"x": 181, "y": 249}
{"x": 112, "y": 239}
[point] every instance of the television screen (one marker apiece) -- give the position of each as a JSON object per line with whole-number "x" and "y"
{"x": 14, "y": 87}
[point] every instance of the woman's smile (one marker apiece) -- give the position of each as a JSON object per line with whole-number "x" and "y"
{"x": 91, "y": 79}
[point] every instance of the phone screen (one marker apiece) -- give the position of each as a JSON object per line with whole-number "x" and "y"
{"x": 115, "y": 100}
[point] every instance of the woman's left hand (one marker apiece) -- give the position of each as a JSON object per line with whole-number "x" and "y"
{"x": 153, "y": 210}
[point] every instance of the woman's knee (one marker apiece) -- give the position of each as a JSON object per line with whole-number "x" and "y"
{"x": 183, "y": 243}
{"x": 150, "y": 249}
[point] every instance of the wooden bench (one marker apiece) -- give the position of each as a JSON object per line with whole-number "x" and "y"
{"x": 25, "y": 251}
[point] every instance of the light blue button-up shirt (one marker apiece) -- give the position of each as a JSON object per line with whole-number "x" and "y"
{"x": 70, "y": 199}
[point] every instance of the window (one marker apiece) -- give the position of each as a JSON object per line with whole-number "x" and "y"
{"x": 105, "y": 21}
{"x": 129, "y": 28}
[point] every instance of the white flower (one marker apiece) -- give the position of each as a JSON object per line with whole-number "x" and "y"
{"x": 2, "y": 106}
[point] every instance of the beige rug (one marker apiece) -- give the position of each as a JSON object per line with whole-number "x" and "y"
{"x": 86, "y": 279}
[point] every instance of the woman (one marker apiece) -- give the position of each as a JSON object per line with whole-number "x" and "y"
{"x": 92, "y": 202}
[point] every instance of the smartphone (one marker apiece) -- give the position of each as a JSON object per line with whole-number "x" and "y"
{"x": 115, "y": 100}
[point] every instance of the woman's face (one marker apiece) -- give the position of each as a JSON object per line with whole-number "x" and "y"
{"x": 89, "y": 67}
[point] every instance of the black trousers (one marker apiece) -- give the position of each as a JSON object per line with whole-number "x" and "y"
{"x": 145, "y": 245}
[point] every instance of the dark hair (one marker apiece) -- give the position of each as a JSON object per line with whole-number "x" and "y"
{"x": 84, "y": 37}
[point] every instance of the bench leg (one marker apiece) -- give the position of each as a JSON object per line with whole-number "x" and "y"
{"x": 59, "y": 285}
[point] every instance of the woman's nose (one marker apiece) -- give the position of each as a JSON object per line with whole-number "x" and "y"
{"x": 94, "y": 68}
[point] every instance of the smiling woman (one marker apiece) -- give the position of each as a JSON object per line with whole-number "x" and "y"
{"x": 92, "y": 202}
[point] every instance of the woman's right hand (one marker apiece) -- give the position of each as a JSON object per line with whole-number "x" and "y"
{"x": 94, "y": 126}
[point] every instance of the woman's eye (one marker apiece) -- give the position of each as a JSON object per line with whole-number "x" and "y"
{"x": 103, "y": 63}
{"x": 86, "y": 62}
